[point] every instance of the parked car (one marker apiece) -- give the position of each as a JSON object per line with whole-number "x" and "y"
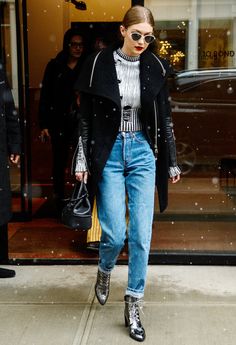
{"x": 204, "y": 114}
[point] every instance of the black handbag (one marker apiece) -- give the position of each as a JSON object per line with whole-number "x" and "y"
{"x": 77, "y": 213}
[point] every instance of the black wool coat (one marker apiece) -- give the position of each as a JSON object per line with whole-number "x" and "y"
{"x": 9, "y": 143}
{"x": 101, "y": 114}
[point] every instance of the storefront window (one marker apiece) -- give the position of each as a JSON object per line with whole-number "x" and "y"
{"x": 199, "y": 39}
{"x": 216, "y": 46}
{"x": 173, "y": 37}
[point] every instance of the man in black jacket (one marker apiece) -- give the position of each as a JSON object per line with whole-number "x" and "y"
{"x": 58, "y": 107}
{"x": 9, "y": 150}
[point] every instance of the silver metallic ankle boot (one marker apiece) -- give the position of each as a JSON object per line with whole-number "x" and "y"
{"x": 102, "y": 287}
{"x": 132, "y": 318}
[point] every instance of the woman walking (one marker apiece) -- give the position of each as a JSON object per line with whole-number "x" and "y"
{"x": 125, "y": 149}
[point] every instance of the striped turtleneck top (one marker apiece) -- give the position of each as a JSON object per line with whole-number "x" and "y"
{"x": 127, "y": 70}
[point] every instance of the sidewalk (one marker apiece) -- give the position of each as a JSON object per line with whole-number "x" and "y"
{"x": 55, "y": 305}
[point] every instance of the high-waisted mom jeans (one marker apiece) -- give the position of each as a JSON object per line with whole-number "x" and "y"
{"x": 129, "y": 172}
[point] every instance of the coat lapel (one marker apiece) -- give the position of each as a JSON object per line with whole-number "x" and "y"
{"x": 104, "y": 81}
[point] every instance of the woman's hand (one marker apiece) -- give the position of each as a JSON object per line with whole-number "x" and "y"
{"x": 14, "y": 158}
{"x": 175, "y": 179}
{"x": 81, "y": 176}
{"x": 44, "y": 135}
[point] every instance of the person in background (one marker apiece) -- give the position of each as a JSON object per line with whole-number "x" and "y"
{"x": 126, "y": 147}
{"x": 100, "y": 43}
{"x": 58, "y": 107}
{"x": 10, "y": 148}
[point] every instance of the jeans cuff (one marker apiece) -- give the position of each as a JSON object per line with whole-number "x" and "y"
{"x": 130, "y": 292}
{"x": 104, "y": 271}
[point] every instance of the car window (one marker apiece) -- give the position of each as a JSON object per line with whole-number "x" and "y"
{"x": 218, "y": 90}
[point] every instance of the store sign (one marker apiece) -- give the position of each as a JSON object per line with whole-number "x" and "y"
{"x": 208, "y": 54}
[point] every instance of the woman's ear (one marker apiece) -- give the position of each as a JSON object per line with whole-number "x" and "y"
{"x": 122, "y": 30}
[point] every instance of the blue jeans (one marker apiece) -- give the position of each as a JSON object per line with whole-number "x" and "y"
{"x": 129, "y": 171}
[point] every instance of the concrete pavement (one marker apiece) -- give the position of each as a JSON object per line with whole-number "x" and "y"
{"x": 55, "y": 305}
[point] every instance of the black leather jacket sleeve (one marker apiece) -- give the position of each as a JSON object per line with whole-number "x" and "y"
{"x": 85, "y": 124}
{"x": 167, "y": 123}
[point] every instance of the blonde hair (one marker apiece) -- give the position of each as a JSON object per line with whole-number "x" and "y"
{"x": 138, "y": 14}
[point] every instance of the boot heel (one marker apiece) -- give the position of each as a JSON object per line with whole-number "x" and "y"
{"x": 126, "y": 322}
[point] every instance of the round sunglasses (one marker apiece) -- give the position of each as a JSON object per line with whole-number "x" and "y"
{"x": 147, "y": 38}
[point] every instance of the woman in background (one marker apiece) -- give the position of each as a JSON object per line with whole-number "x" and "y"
{"x": 58, "y": 111}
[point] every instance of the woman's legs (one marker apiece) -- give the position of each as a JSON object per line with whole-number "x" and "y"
{"x": 140, "y": 186}
{"x": 130, "y": 168}
{"x": 112, "y": 208}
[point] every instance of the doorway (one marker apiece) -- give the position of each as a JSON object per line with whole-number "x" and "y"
{"x": 199, "y": 225}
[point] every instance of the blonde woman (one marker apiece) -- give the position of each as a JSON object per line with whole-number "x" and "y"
{"x": 126, "y": 148}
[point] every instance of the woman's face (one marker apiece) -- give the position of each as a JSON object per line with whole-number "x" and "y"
{"x": 135, "y": 47}
{"x": 76, "y": 46}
